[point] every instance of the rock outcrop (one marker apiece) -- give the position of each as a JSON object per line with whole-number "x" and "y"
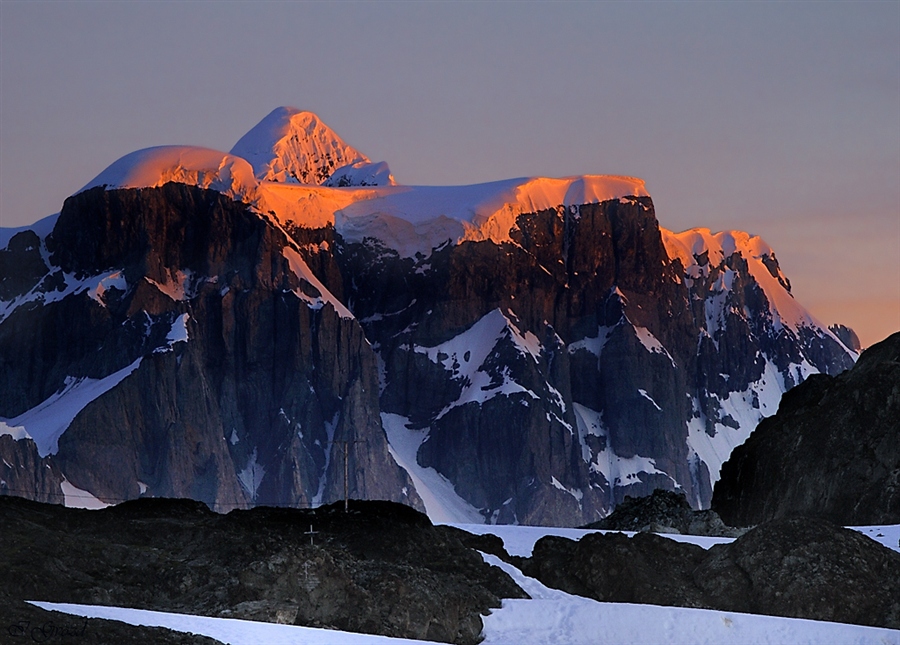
{"x": 225, "y": 371}
{"x": 381, "y": 568}
{"x": 798, "y": 568}
{"x": 832, "y": 451}
{"x": 665, "y": 512}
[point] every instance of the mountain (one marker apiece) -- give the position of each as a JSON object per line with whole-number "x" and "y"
{"x": 832, "y": 451}
{"x": 294, "y": 146}
{"x": 196, "y": 323}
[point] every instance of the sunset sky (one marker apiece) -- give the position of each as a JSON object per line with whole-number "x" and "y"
{"x": 781, "y": 119}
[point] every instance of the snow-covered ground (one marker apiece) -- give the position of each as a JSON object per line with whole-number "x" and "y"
{"x": 551, "y": 616}
{"x": 519, "y": 540}
{"x": 228, "y": 630}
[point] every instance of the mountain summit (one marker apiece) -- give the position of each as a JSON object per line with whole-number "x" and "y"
{"x": 295, "y": 146}
{"x": 233, "y": 327}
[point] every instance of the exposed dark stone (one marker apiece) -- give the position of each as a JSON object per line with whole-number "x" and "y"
{"x": 799, "y": 568}
{"x": 255, "y": 407}
{"x": 21, "y": 265}
{"x": 381, "y": 568}
{"x": 832, "y": 450}
{"x": 665, "y": 512}
{"x": 267, "y": 380}
{"x": 847, "y": 336}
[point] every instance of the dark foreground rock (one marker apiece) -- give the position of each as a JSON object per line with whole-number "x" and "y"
{"x": 832, "y": 450}
{"x": 799, "y": 568}
{"x": 26, "y": 624}
{"x": 665, "y": 512}
{"x": 381, "y": 568}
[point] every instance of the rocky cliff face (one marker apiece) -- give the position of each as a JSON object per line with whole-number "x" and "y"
{"x": 197, "y": 356}
{"x": 832, "y": 451}
{"x": 523, "y": 351}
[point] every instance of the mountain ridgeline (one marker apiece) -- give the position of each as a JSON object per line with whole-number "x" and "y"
{"x": 528, "y": 351}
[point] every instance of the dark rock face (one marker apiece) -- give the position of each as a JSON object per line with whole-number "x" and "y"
{"x": 623, "y": 365}
{"x": 243, "y": 376}
{"x": 664, "y": 512}
{"x": 832, "y": 451}
{"x": 798, "y": 568}
{"x": 381, "y": 568}
{"x": 847, "y": 336}
{"x": 549, "y": 376}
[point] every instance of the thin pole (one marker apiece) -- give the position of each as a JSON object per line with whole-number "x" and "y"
{"x": 346, "y": 477}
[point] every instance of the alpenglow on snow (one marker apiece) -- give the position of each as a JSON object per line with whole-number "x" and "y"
{"x": 214, "y": 325}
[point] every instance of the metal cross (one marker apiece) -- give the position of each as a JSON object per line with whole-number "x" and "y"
{"x": 310, "y": 533}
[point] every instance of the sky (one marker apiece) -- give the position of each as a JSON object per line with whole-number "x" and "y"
{"x": 777, "y": 118}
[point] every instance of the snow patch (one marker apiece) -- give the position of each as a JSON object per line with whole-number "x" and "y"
{"x": 361, "y": 173}
{"x": 231, "y": 631}
{"x": 593, "y": 344}
{"x": 746, "y": 408}
{"x": 442, "y": 503}
{"x": 252, "y": 475}
{"x": 644, "y": 394}
{"x": 464, "y": 356}
{"x": 78, "y": 498}
{"x": 651, "y": 344}
{"x": 301, "y": 270}
{"x": 46, "y": 422}
{"x": 113, "y": 280}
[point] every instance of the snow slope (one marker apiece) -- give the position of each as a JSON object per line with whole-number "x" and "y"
{"x": 46, "y": 422}
{"x": 442, "y": 504}
{"x": 551, "y": 616}
{"x": 689, "y": 245}
{"x": 279, "y": 167}
{"x": 190, "y": 165}
{"x": 294, "y": 146}
{"x": 228, "y": 630}
{"x": 408, "y": 219}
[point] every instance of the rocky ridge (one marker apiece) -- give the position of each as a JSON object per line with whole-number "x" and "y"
{"x": 381, "y": 568}
{"x": 799, "y": 568}
{"x": 832, "y": 451}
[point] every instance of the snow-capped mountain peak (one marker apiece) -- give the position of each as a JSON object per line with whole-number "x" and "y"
{"x": 295, "y": 146}
{"x": 203, "y": 167}
{"x": 701, "y": 250}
